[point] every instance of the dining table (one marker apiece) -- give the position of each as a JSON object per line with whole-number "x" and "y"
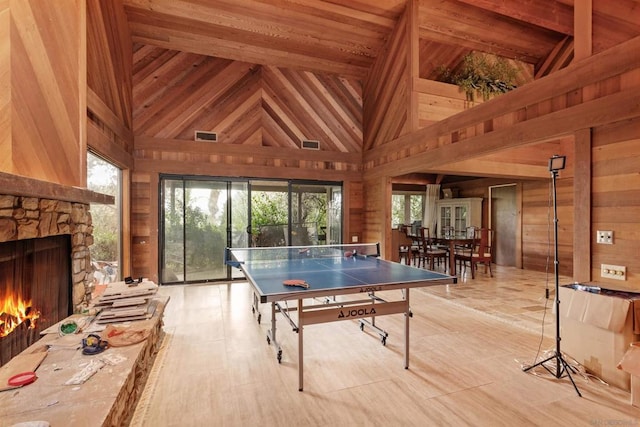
{"x": 451, "y": 242}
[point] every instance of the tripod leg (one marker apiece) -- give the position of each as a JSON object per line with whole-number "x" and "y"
{"x": 541, "y": 363}
{"x": 568, "y": 369}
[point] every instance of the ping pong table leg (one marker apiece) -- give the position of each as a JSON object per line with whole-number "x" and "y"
{"x": 300, "y": 344}
{"x": 407, "y": 314}
{"x": 271, "y": 333}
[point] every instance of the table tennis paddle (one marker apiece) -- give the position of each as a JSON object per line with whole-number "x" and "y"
{"x": 296, "y": 283}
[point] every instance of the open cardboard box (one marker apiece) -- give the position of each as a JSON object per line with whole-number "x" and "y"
{"x": 597, "y": 329}
{"x": 631, "y": 363}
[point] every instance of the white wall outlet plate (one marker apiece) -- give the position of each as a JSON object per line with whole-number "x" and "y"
{"x": 617, "y": 272}
{"x": 604, "y": 237}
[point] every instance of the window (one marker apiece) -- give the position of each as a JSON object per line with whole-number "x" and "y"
{"x": 103, "y": 177}
{"x": 406, "y": 208}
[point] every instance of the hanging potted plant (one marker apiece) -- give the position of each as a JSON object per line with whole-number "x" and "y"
{"x": 484, "y": 74}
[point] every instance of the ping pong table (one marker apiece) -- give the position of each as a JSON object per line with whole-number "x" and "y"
{"x": 325, "y": 272}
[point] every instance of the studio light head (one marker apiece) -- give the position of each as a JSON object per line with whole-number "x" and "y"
{"x": 557, "y": 163}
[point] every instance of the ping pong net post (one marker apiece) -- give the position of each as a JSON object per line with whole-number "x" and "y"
{"x": 236, "y": 256}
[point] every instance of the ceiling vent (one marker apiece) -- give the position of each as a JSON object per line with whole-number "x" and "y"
{"x": 310, "y": 144}
{"x": 202, "y": 135}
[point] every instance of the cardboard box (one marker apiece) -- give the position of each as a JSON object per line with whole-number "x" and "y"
{"x": 596, "y": 330}
{"x": 631, "y": 363}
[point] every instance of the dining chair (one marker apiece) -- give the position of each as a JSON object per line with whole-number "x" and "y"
{"x": 405, "y": 247}
{"x": 410, "y": 252}
{"x": 431, "y": 252}
{"x": 480, "y": 253}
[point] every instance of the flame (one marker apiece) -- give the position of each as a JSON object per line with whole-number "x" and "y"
{"x": 13, "y": 311}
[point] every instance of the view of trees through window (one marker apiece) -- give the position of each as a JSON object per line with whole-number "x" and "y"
{"x": 406, "y": 208}
{"x": 202, "y": 217}
{"x": 103, "y": 177}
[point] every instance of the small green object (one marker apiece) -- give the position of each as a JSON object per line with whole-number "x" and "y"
{"x": 68, "y": 328}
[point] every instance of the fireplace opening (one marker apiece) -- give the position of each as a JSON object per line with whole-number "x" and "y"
{"x": 35, "y": 290}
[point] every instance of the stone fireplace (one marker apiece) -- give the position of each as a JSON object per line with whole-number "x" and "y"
{"x": 38, "y": 216}
{"x": 33, "y": 217}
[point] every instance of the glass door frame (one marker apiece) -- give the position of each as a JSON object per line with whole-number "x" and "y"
{"x": 231, "y": 185}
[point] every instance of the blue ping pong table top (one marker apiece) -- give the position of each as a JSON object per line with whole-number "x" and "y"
{"x": 331, "y": 275}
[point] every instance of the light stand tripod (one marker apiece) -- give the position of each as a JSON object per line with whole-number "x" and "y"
{"x": 556, "y": 163}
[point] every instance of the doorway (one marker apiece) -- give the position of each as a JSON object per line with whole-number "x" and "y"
{"x": 504, "y": 220}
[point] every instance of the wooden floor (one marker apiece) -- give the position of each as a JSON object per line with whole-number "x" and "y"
{"x": 468, "y": 345}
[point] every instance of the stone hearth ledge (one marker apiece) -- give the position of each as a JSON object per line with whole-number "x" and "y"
{"x": 108, "y": 398}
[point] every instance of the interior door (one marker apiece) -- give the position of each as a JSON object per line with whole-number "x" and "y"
{"x": 504, "y": 222}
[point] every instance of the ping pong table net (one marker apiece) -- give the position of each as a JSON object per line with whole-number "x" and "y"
{"x": 301, "y": 252}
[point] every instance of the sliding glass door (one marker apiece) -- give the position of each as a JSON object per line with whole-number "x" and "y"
{"x": 195, "y": 230}
{"x": 314, "y": 217}
{"x": 201, "y": 217}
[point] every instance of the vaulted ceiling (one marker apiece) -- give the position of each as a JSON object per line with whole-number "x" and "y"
{"x": 345, "y": 36}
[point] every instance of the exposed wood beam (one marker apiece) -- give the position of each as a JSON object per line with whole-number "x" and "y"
{"x": 495, "y": 169}
{"x": 200, "y": 168}
{"x": 222, "y": 48}
{"x": 104, "y": 113}
{"x": 100, "y": 143}
{"x": 304, "y": 35}
{"x": 583, "y": 28}
{"x": 28, "y": 187}
{"x": 161, "y": 144}
{"x": 558, "y": 17}
{"x": 598, "y": 67}
{"x": 559, "y": 57}
{"x": 413, "y": 63}
{"x": 627, "y": 11}
{"x": 484, "y": 30}
{"x": 582, "y": 206}
{"x": 619, "y": 106}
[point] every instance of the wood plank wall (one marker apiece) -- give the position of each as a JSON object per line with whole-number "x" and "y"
{"x": 594, "y": 92}
{"x": 43, "y": 64}
{"x": 5, "y": 83}
{"x": 538, "y": 228}
{"x": 386, "y": 100}
{"x": 260, "y": 115}
{"x": 109, "y": 112}
{"x": 109, "y": 64}
{"x": 537, "y": 234}
{"x": 615, "y": 198}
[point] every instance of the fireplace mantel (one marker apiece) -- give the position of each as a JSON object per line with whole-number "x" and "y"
{"x": 17, "y": 185}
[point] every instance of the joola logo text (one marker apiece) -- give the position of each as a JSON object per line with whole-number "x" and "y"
{"x": 356, "y": 312}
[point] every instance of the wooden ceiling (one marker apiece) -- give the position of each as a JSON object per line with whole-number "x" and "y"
{"x": 345, "y": 36}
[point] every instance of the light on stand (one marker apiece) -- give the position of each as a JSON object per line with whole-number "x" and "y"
{"x": 556, "y": 163}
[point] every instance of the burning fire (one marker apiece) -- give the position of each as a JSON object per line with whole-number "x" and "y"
{"x": 14, "y": 311}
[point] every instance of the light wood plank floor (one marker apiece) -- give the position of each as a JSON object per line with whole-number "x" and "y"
{"x": 468, "y": 345}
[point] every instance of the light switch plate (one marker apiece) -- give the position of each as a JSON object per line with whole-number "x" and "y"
{"x": 617, "y": 272}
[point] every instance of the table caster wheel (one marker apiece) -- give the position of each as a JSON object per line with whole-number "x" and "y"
{"x": 268, "y": 340}
{"x": 362, "y": 326}
{"x": 259, "y": 317}
{"x": 279, "y": 356}
{"x": 384, "y": 341}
